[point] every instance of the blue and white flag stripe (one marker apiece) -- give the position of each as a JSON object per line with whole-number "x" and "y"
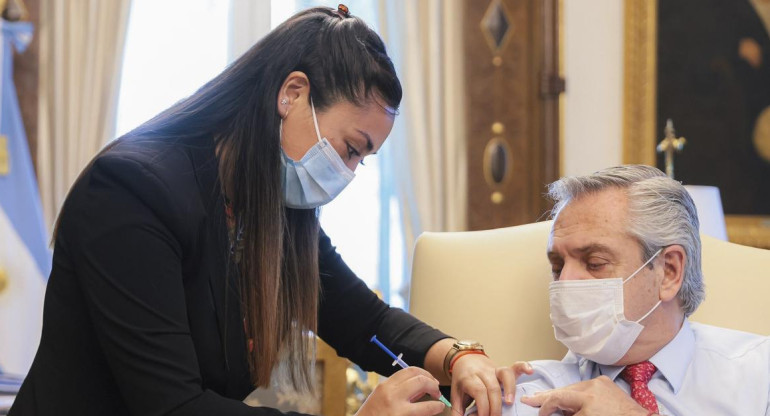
{"x": 21, "y": 302}
{"x": 19, "y": 196}
{"x": 25, "y": 260}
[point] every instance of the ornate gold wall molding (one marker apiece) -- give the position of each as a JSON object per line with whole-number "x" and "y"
{"x": 640, "y": 77}
{"x": 640, "y": 109}
{"x": 749, "y": 230}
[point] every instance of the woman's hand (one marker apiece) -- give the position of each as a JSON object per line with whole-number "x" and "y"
{"x": 399, "y": 395}
{"x": 475, "y": 377}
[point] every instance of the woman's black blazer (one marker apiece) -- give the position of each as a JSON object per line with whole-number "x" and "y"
{"x": 140, "y": 317}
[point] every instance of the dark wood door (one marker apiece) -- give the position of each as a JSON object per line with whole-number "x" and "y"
{"x": 512, "y": 87}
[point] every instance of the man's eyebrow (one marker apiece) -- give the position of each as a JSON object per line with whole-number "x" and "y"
{"x": 594, "y": 248}
{"x": 586, "y": 249}
{"x": 369, "y": 145}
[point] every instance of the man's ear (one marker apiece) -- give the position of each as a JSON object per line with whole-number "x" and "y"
{"x": 295, "y": 88}
{"x": 674, "y": 260}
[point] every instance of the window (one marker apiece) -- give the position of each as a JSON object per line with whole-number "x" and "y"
{"x": 172, "y": 48}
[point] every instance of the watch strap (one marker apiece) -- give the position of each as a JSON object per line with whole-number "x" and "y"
{"x": 459, "y": 354}
{"x": 460, "y": 347}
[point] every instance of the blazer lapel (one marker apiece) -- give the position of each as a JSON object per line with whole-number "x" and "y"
{"x": 207, "y": 174}
{"x": 222, "y": 272}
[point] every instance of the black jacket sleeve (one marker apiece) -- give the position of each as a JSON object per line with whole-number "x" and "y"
{"x": 350, "y": 314}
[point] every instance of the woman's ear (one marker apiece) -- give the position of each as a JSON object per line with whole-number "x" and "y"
{"x": 295, "y": 90}
{"x": 674, "y": 260}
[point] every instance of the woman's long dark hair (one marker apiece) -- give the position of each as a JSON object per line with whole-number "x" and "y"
{"x": 279, "y": 279}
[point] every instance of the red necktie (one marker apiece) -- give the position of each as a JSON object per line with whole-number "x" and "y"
{"x": 637, "y": 376}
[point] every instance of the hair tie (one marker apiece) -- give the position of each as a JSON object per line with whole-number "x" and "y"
{"x": 343, "y": 10}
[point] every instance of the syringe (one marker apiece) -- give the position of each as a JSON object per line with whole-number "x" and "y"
{"x": 402, "y": 364}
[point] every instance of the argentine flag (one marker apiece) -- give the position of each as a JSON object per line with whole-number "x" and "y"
{"x": 25, "y": 260}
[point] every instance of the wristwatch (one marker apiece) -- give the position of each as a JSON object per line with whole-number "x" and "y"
{"x": 464, "y": 346}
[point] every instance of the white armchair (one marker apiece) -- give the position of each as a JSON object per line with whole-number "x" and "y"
{"x": 488, "y": 285}
{"x": 492, "y": 286}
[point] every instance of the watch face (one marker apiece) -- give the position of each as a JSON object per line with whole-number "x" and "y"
{"x": 469, "y": 345}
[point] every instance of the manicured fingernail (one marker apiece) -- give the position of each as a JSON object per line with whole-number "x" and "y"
{"x": 529, "y": 366}
{"x": 509, "y": 398}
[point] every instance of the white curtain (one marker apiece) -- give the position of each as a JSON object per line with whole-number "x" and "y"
{"x": 249, "y": 21}
{"x": 424, "y": 38}
{"x": 81, "y": 50}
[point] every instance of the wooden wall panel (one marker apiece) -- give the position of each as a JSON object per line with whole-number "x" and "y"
{"x": 508, "y": 92}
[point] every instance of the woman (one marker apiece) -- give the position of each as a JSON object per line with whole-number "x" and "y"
{"x": 188, "y": 259}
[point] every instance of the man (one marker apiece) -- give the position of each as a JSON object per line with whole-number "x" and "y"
{"x": 625, "y": 256}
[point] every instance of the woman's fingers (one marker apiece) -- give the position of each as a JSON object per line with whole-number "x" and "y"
{"x": 507, "y": 378}
{"x": 508, "y": 375}
{"x": 426, "y": 408}
{"x": 418, "y": 386}
{"x": 522, "y": 367}
{"x": 475, "y": 377}
{"x": 494, "y": 393}
{"x": 399, "y": 395}
{"x": 478, "y": 391}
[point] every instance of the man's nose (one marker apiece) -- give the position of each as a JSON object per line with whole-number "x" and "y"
{"x": 574, "y": 270}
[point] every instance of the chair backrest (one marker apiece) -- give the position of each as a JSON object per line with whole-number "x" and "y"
{"x": 492, "y": 286}
{"x": 489, "y": 285}
{"x": 737, "y": 282}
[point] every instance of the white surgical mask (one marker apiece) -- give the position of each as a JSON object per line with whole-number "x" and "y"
{"x": 588, "y": 318}
{"x": 318, "y": 177}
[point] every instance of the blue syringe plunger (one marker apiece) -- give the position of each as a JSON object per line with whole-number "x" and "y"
{"x": 384, "y": 348}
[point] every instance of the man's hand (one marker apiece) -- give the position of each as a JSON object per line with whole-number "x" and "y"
{"x": 475, "y": 377}
{"x": 599, "y": 396}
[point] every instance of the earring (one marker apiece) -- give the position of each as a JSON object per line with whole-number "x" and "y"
{"x": 284, "y": 101}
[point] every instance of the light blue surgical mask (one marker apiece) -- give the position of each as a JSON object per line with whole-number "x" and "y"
{"x": 318, "y": 177}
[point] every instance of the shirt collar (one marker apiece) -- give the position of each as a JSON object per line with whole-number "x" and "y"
{"x": 671, "y": 361}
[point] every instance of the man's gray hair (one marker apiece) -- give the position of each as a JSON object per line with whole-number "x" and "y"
{"x": 661, "y": 213}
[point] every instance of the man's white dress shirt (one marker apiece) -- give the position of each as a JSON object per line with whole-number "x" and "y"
{"x": 704, "y": 370}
